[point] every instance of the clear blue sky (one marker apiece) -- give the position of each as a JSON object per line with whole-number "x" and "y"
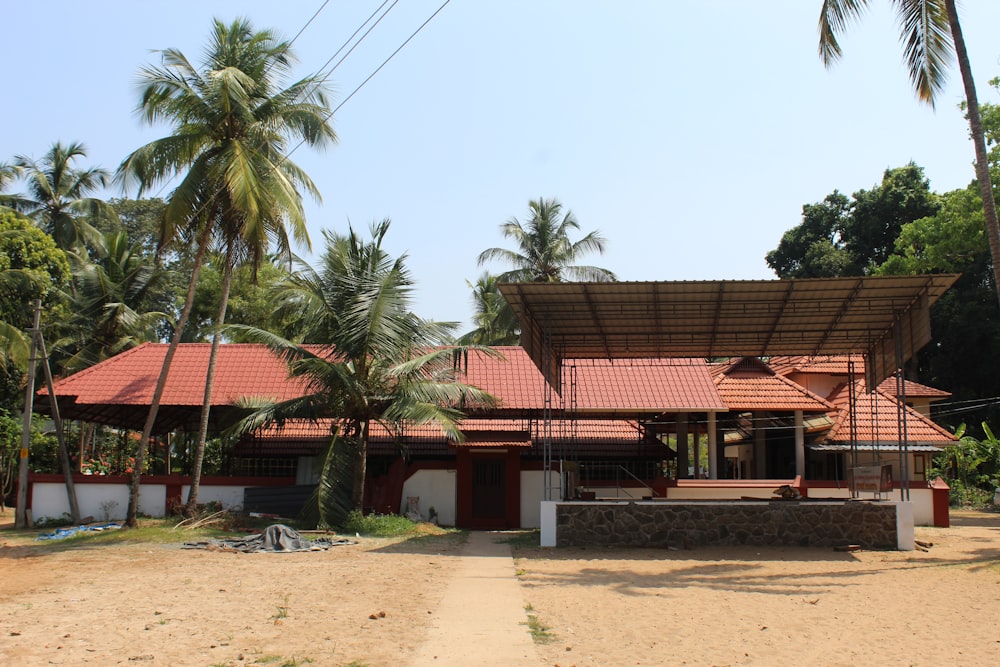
{"x": 689, "y": 133}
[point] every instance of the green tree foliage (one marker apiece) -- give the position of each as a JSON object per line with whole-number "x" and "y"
{"x": 877, "y": 215}
{"x": 494, "y": 319}
{"x": 965, "y": 321}
{"x": 43, "y": 446}
{"x": 545, "y": 252}
{"x": 31, "y": 268}
{"x": 813, "y": 249}
{"x": 381, "y": 364}
{"x": 109, "y": 302}
{"x": 971, "y": 467}
{"x": 10, "y": 446}
{"x": 931, "y": 34}
{"x": 251, "y": 302}
{"x": 58, "y": 197}
{"x": 141, "y": 219}
{"x": 233, "y": 123}
{"x": 843, "y": 236}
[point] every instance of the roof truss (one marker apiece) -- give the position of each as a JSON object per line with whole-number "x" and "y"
{"x": 886, "y": 318}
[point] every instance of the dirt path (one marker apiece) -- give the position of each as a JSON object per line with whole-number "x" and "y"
{"x": 384, "y": 603}
{"x": 480, "y": 620}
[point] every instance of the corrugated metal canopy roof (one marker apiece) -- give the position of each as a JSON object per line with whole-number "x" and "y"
{"x": 723, "y": 318}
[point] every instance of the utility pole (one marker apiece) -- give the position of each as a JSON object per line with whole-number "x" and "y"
{"x": 74, "y": 506}
{"x": 21, "y": 515}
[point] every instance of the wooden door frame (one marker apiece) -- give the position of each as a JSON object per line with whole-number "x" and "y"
{"x": 512, "y": 488}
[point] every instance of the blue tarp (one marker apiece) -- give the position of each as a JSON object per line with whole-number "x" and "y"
{"x": 62, "y": 533}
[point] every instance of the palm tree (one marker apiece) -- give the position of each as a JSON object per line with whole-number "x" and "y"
{"x": 57, "y": 198}
{"x": 931, "y": 33}
{"x": 232, "y": 125}
{"x": 379, "y": 363}
{"x": 496, "y": 323}
{"x": 8, "y": 174}
{"x": 108, "y": 304}
{"x": 545, "y": 252}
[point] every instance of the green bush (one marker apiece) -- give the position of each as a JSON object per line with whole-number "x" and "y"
{"x": 971, "y": 467}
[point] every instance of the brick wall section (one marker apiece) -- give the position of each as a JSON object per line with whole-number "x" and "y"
{"x": 769, "y": 523}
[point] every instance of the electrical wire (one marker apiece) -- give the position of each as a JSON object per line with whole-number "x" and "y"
{"x": 329, "y": 115}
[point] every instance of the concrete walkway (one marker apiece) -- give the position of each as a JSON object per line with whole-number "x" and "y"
{"x": 481, "y": 619}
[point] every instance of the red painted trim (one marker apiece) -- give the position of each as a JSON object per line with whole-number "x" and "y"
{"x": 463, "y": 491}
{"x": 940, "y": 492}
{"x": 513, "y": 489}
{"x": 168, "y": 480}
{"x": 174, "y": 498}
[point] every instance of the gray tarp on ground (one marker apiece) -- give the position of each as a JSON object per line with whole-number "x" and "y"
{"x": 276, "y": 538}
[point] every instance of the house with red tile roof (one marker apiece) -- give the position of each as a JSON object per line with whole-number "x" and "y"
{"x": 765, "y": 427}
{"x": 624, "y": 428}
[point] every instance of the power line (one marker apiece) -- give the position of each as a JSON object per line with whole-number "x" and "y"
{"x": 309, "y": 22}
{"x": 377, "y": 69}
{"x": 323, "y": 79}
{"x": 267, "y": 71}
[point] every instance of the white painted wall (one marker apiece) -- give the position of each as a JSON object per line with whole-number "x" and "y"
{"x": 230, "y": 497}
{"x": 921, "y": 500}
{"x": 435, "y": 488}
{"x": 104, "y": 502}
{"x": 533, "y": 494}
{"x": 904, "y": 526}
{"x": 110, "y": 501}
{"x": 548, "y": 523}
{"x": 720, "y": 493}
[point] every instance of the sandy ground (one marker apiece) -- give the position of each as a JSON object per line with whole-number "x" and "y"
{"x": 153, "y": 604}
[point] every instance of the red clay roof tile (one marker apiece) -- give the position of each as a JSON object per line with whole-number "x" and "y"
{"x": 748, "y": 384}
{"x": 876, "y": 419}
{"x": 130, "y": 378}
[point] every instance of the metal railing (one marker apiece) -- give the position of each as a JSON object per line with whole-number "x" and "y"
{"x": 602, "y": 473}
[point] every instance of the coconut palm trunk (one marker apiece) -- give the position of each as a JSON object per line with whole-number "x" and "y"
{"x": 233, "y": 122}
{"x": 931, "y": 33}
{"x": 978, "y": 141}
{"x": 131, "y": 515}
{"x": 206, "y": 406}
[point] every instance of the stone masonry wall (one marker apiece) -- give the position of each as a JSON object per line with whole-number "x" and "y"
{"x": 683, "y": 524}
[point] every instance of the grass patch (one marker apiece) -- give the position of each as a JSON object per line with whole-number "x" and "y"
{"x": 282, "y": 611}
{"x": 176, "y": 530}
{"x": 523, "y": 539}
{"x": 149, "y": 531}
{"x": 280, "y": 661}
{"x": 540, "y": 633}
{"x": 387, "y": 525}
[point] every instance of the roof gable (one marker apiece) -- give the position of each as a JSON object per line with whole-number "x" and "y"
{"x": 748, "y": 384}
{"x": 876, "y": 419}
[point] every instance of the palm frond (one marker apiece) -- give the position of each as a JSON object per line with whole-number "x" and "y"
{"x": 333, "y": 502}
{"x": 927, "y": 45}
{"x": 834, "y": 17}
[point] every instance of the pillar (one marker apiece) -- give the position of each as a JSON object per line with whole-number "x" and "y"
{"x": 713, "y": 447}
{"x": 682, "y": 446}
{"x": 696, "y": 447}
{"x": 759, "y": 442}
{"x": 800, "y": 445}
